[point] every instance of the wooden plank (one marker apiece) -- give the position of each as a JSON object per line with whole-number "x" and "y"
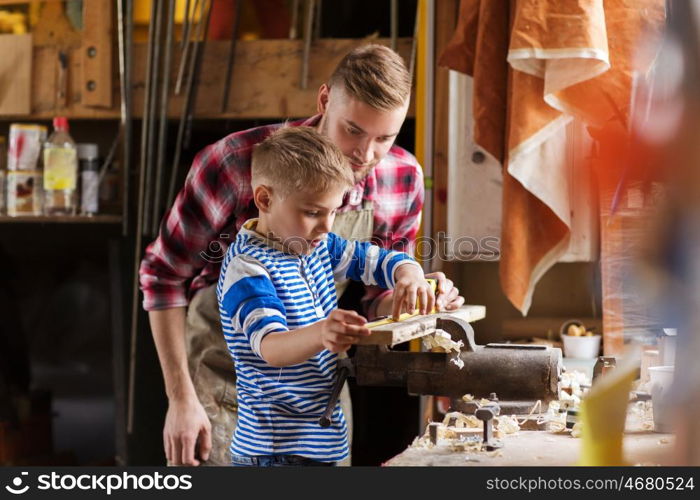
{"x": 54, "y": 29}
{"x": 15, "y": 74}
{"x": 97, "y": 79}
{"x": 418, "y": 326}
{"x": 265, "y": 83}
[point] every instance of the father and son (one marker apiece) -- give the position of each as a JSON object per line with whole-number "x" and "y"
{"x": 249, "y": 344}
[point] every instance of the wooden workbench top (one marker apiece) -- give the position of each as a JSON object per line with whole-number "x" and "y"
{"x": 537, "y": 448}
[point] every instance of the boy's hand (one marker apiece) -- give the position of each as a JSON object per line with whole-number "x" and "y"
{"x": 341, "y": 329}
{"x": 448, "y": 298}
{"x": 411, "y": 286}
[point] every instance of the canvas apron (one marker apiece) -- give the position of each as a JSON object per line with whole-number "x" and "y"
{"x": 210, "y": 363}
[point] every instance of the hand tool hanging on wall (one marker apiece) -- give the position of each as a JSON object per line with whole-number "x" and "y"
{"x": 162, "y": 132}
{"x": 188, "y": 102}
{"x": 231, "y": 55}
{"x": 62, "y": 80}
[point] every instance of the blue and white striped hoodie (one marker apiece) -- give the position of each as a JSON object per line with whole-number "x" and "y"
{"x": 263, "y": 289}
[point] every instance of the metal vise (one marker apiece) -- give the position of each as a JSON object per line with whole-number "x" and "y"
{"x": 520, "y": 374}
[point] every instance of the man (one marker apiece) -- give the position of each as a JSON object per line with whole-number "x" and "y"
{"x": 361, "y": 109}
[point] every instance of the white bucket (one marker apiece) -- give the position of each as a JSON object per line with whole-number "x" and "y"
{"x": 661, "y": 378}
{"x": 581, "y": 347}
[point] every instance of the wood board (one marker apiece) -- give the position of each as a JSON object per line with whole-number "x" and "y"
{"x": 402, "y": 331}
{"x": 15, "y": 74}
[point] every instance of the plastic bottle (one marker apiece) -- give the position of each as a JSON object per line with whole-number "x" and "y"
{"x": 89, "y": 178}
{"x": 60, "y": 171}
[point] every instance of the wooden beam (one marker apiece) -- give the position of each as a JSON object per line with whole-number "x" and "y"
{"x": 97, "y": 80}
{"x": 15, "y": 74}
{"x": 265, "y": 83}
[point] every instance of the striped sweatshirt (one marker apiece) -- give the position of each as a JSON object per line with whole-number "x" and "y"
{"x": 263, "y": 289}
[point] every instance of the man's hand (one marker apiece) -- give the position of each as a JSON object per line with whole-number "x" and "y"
{"x": 410, "y": 287}
{"x": 186, "y": 425}
{"x": 448, "y": 298}
{"x": 341, "y": 329}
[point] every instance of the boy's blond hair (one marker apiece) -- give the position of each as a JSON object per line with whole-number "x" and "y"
{"x": 299, "y": 159}
{"x": 375, "y": 75}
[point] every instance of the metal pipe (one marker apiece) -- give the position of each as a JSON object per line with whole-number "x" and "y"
{"x": 414, "y": 44}
{"x": 152, "y": 115}
{"x": 231, "y": 55}
{"x": 162, "y": 132}
{"x": 295, "y": 20}
{"x": 185, "y": 53}
{"x": 124, "y": 10}
{"x": 309, "y": 21}
{"x": 317, "y": 19}
{"x": 186, "y": 27}
{"x": 181, "y": 126}
{"x": 137, "y": 248}
{"x": 193, "y": 83}
{"x": 394, "y": 24}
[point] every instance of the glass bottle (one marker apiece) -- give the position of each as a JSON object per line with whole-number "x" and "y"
{"x": 89, "y": 178}
{"x": 60, "y": 171}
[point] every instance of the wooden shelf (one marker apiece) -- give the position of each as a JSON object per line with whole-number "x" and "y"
{"x": 61, "y": 219}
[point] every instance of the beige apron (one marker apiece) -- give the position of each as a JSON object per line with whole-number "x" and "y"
{"x": 210, "y": 363}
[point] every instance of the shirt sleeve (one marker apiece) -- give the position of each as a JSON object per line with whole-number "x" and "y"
{"x": 197, "y": 218}
{"x": 365, "y": 262}
{"x": 401, "y": 238}
{"x": 249, "y": 298}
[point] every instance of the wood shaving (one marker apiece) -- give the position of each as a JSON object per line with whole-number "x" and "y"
{"x": 461, "y": 420}
{"x": 441, "y": 339}
{"x": 507, "y": 424}
{"x": 576, "y": 430}
{"x": 457, "y": 361}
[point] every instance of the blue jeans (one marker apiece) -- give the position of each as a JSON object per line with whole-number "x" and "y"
{"x": 277, "y": 461}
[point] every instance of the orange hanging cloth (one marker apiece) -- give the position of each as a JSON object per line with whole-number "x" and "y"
{"x": 537, "y": 64}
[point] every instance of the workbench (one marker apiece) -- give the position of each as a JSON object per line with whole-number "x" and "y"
{"x": 541, "y": 448}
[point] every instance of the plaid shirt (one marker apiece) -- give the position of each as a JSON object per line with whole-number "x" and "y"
{"x": 217, "y": 199}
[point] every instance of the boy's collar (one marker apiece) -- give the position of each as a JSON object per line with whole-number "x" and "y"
{"x": 250, "y": 228}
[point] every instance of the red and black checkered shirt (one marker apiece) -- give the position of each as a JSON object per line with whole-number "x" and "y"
{"x": 217, "y": 199}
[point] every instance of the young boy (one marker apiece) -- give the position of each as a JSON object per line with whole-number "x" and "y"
{"x": 278, "y": 302}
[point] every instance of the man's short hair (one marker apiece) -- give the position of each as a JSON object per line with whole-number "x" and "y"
{"x": 375, "y": 75}
{"x": 299, "y": 159}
